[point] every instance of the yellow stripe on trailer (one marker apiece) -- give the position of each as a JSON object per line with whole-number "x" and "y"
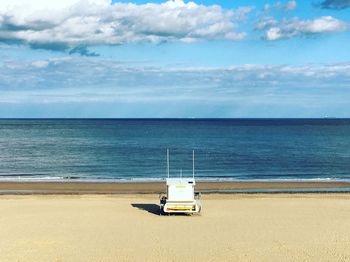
{"x": 179, "y": 208}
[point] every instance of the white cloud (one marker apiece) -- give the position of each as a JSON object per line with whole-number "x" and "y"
{"x": 70, "y": 23}
{"x": 289, "y": 6}
{"x": 265, "y": 22}
{"x": 40, "y": 63}
{"x": 274, "y": 33}
{"x": 297, "y": 27}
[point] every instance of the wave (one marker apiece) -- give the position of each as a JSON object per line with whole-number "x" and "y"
{"x": 72, "y": 178}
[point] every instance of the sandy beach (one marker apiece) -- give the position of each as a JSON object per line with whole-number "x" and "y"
{"x": 232, "y": 227}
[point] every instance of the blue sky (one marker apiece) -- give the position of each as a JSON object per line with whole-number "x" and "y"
{"x": 97, "y": 58}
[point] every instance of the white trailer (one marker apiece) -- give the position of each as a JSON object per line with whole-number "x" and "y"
{"x": 180, "y": 195}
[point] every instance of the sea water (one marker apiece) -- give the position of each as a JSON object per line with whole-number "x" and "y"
{"x": 135, "y": 149}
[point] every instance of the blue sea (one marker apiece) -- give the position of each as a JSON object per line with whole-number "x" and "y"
{"x": 135, "y": 149}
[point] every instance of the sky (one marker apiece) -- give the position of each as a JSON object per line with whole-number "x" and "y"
{"x": 174, "y": 59}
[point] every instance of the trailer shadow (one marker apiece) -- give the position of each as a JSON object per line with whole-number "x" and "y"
{"x": 150, "y": 208}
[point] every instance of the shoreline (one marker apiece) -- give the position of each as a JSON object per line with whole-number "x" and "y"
{"x": 75, "y": 187}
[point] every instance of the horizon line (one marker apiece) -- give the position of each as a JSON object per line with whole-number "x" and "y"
{"x": 174, "y": 118}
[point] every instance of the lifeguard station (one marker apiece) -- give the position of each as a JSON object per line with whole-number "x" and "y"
{"x": 180, "y": 196}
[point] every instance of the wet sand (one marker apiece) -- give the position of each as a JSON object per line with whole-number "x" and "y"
{"x": 232, "y": 227}
{"x": 157, "y": 187}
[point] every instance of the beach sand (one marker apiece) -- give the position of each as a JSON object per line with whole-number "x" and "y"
{"x": 232, "y": 227}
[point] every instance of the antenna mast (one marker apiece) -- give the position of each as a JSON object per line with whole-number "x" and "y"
{"x": 193, "y": 163}
{"x": 167, "y": 162}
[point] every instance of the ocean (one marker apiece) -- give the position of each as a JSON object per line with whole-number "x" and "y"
{"x": 135, "y": 149}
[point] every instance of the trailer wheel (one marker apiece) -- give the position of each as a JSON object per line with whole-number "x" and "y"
{"x": 161, "y": 211}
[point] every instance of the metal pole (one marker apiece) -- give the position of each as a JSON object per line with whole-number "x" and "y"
{"x": 167, "y": 162}
{"x": 193, "y": 163}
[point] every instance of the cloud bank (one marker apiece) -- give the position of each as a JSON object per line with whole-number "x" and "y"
{"x": 85, "y": 87}
{"x": 70, "y": 79}
{"x": 77, "y": 24}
